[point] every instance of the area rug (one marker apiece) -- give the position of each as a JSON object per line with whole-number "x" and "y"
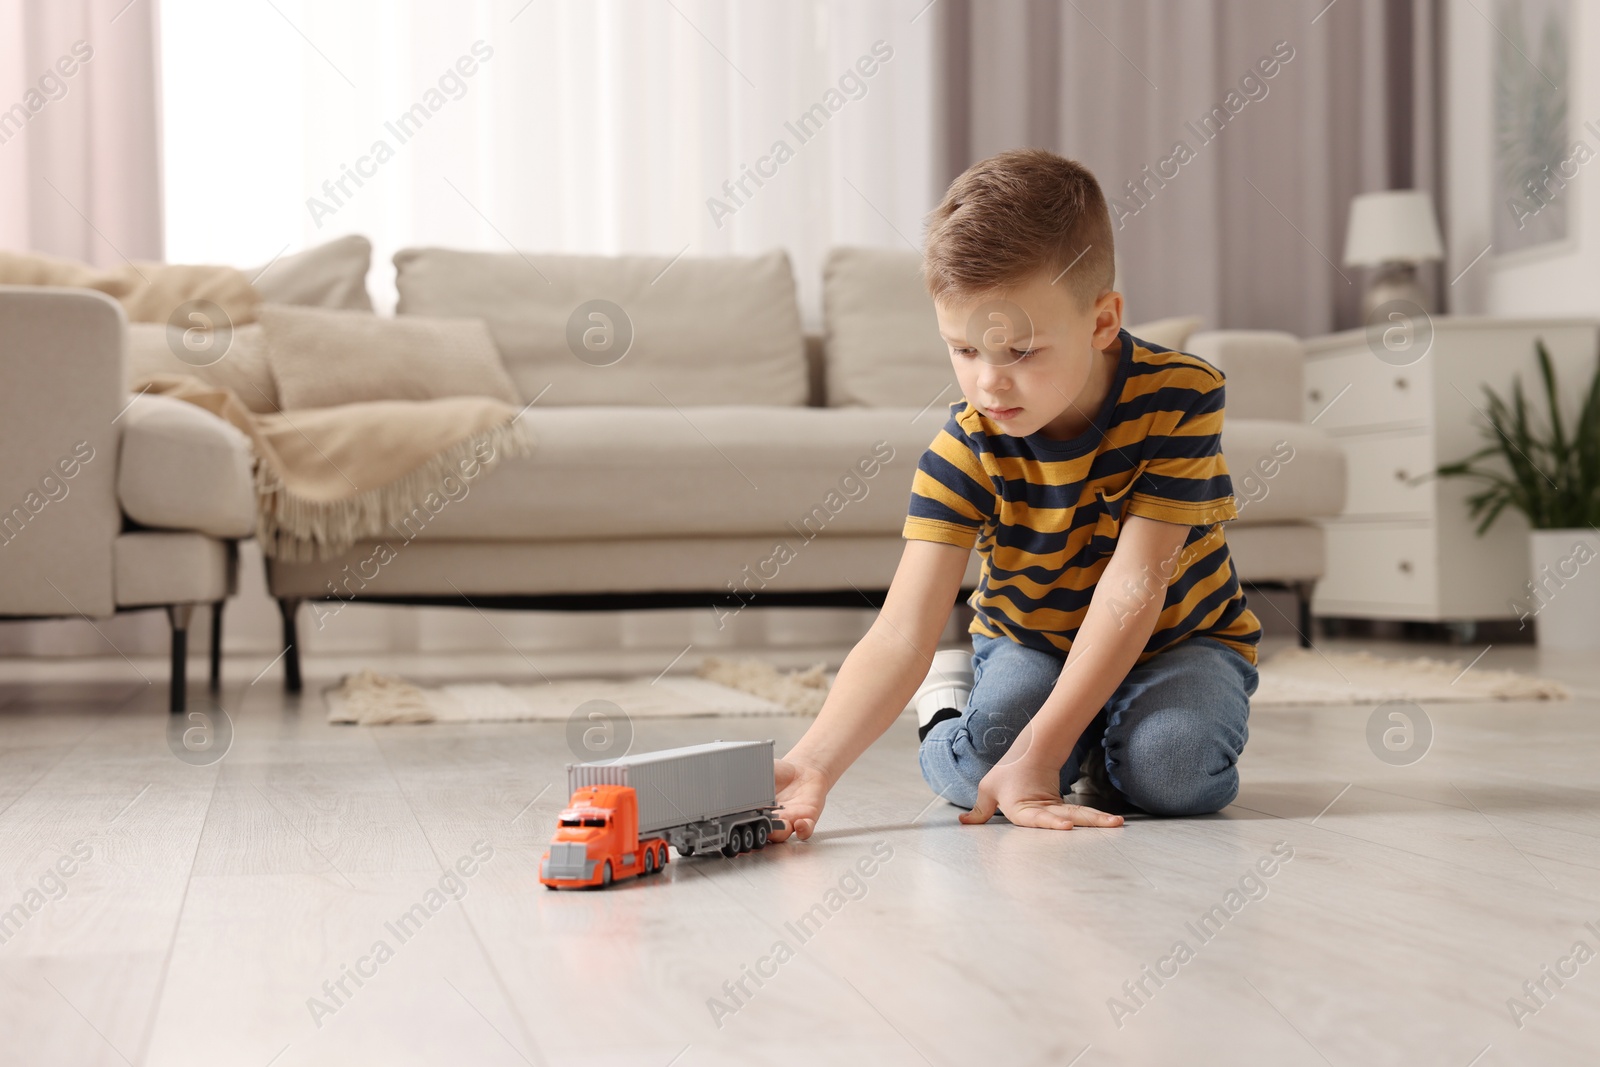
{"x": 1298, "y": 677}
{"x": 721, "y": 687}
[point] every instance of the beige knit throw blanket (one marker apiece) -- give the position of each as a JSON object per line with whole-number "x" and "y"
{"x": 328, "y": 477}
{"x": 148, "y": 292}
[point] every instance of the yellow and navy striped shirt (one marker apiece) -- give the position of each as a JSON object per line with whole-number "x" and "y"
{"x": 1044, "y": 514}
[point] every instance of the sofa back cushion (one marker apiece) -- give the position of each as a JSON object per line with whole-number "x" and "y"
{"x": 1265, "y": 369}
{"x": 1173, "y": 333}
{"x": 329, "y": 275}
{"x": 625, "y": 329}
{"x": 883, "y": 346}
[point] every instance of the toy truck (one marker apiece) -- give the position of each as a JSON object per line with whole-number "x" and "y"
{"x": 625, "y": 812}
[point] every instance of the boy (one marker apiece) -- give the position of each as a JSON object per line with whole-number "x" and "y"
{"x": 1084, "y": 465}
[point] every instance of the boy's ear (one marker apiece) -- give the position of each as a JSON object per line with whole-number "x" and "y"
{"x": 1107, "y": 318}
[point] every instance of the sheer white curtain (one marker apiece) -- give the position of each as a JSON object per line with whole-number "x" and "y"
{"x": 79, "y": 125}
{"x": 582, "y": 127}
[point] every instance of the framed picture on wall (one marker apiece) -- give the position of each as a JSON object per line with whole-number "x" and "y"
{"x": 1536, "y": 154}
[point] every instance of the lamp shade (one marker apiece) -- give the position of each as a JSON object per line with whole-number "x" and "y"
{"x": 1394, "y": 226}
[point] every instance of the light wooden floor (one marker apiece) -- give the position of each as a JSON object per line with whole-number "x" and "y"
{"x": 217, "y": 900}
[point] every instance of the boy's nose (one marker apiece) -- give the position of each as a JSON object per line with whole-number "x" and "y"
{"x": 992, "y": 379}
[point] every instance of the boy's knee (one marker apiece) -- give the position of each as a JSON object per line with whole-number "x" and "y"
{"x": 1196, "y": 792}
{"x": 1173, "y": 765}
{"x": 992, "y": 732}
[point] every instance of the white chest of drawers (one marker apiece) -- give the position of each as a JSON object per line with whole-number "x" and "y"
{"x": 1409, "y": 551}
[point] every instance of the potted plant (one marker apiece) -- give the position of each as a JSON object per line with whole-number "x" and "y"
{"x": 1553, "y": 478}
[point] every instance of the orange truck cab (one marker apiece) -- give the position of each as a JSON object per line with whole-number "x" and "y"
{"x": 597, "y": 841}
{"x": 625, "y": 813}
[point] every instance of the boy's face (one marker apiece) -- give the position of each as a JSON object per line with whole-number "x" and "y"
{"x": 1031, "y": 356}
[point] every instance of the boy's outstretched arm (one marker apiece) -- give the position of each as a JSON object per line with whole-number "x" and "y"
{"x": 874, "y": 683}
{"x": 1026, "y": 784}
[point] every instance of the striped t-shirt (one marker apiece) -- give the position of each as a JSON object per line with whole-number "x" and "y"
{"x": 1044, "y": 514}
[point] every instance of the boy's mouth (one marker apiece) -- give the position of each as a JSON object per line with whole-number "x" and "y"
{"x": 1002, "y": 414}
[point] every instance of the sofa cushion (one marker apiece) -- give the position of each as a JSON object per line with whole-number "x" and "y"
{"x": 692, "y": 331}
{"x": 182, "y": 468}
{"x": 883, "y": 347}
{"x": 883, "y": 344}
{"x": 1173, "y": 333}
{"x": 153, "y": 349}
{"x": 329, "y": 275}
{"x": 1282, "y": 471}
{"x": 1265, "y": 370}
{"x": 710, "y": 471}
{"x": 1278, "y": 552}
{"x": 742, "y": 471}
{"x": 323, "y": 358}
{"x": 172, "y": 568}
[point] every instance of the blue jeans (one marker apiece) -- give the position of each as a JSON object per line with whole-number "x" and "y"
{"x": 1171, "y": 734}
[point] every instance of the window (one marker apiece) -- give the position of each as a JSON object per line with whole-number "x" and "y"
{"x": 589, "y": 128}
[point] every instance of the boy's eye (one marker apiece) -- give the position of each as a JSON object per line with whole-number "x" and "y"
{"x": 1017, "y": 353}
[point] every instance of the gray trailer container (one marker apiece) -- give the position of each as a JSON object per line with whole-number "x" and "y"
{"x": 695, "y": 796}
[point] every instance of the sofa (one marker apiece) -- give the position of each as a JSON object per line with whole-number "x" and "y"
{"x": 698, "y": 448}
{"x": 715, "y": 455}
{"x": 110, "y": 503}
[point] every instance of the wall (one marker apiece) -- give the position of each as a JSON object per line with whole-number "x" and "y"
{"x": 1564, "y": 280}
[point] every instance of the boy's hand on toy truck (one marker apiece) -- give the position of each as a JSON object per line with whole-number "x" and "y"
{"x": 802, "y": 790}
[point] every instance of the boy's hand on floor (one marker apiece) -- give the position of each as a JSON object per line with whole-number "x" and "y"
{"x": 802, "y": 790}
{"x": 1031, "y": 796}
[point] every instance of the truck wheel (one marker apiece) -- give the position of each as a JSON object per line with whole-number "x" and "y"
{"x": 747, "y": 838}
{"x": 649, "y": 861}
{"x": 731, "y": 849}
{"x": 686, "y": 850}
{"x": 605, "y": 876}
{"x": 761, "y": 835}
{"x": 661, "y": 860}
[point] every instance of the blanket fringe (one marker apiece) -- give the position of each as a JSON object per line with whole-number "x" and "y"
{"x": 294, "y": 529}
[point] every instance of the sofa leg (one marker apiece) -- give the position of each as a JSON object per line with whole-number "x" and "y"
{"x": 216, "y": 645}
{"x": 288, "y": 606}
{"x": 1302, "y": 593}
{"x": 178, "y": 685}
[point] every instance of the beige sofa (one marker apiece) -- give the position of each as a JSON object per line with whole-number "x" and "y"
{"x": 696, "y": 448}
{"x": 109, "y": 503}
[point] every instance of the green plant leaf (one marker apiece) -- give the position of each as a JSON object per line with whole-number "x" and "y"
{"x": 1558, "y": 443}
{"x": 1551, "y": 477}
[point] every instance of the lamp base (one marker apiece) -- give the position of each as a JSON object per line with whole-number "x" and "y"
{"x": 1394, "y": 282}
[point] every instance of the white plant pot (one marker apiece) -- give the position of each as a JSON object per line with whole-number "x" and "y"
{"x": 1563, "y": 599}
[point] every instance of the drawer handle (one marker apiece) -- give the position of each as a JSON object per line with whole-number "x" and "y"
{"x": 1401, "y": 383}
{"x": 1405, "y": 566}
{"x": 1316, "y": 395}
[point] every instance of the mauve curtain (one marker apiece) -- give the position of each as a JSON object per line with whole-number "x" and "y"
{"x": 1247, "y": 227}
{"x": 80, "y": 145}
